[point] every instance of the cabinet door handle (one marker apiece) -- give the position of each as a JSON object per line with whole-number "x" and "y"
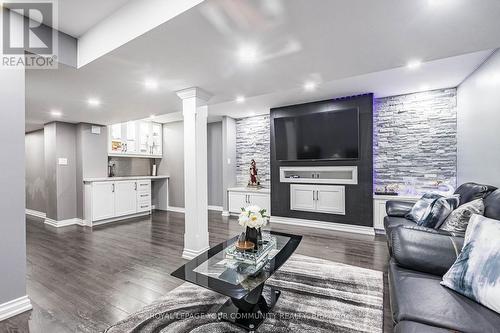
{"x": 113, "y": 188}
{"x": 314, "y": 198}
{"x": 136, "y": 186}
{"x": 317, "y": 195}
{"x": 317, "y": 175}
{"x": 312, "y": 175}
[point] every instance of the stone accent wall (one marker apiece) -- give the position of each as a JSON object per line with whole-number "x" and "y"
{"x": 253, "y": 142}
{"x": 415, "y": 140}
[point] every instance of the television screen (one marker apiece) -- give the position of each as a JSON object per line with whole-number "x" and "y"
{"x": 331, "y": 135}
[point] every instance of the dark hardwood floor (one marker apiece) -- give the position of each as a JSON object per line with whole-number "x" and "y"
{"x": 83, "y": 280}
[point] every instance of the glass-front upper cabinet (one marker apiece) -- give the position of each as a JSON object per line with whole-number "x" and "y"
{"x": 135, "y": 138}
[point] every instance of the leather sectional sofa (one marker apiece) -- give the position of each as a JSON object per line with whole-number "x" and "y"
{"x": 419, "y": 258}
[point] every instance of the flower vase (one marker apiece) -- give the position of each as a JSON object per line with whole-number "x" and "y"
{"x": 253, "y": 235}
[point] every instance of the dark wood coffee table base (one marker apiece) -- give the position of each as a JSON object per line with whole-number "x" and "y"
{"x": 249, "y": 312}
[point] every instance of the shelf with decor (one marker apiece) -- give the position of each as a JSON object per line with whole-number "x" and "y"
{"x": 139, "y": 138}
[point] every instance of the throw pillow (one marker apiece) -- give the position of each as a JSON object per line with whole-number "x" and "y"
{"x": 459, "y": 218}
{"x": 422, "y": 207}
{"x": 438, "y": 213}
{"x": 476, "y": 272}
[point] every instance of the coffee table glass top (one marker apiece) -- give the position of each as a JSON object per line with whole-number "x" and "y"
{"x": 220, "y": 271}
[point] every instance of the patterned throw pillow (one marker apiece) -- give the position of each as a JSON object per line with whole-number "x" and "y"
{"x": 476, "y": 272}
{"x": 459, "y": 218}
{"x": 422, "y": 207}
{"x": 432, "y": 209}
{"x": 440, "y": 210}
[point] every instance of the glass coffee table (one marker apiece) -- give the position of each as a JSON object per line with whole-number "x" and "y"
{"x": 241, "y": 276}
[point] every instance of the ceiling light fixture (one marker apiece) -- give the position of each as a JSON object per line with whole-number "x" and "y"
{"x": 248, "y": 54}
{"x": 94, "y": 102}
{"x": 240, "y": 99}
{"x": 55, "y": 113}
{"x": 424, "y": 87}
{"x": 414, "y": 64}
{"x": 152, "y": 116}
{"x": 151, "y": 84}
{"x": 251, "y": 113}
{"x": 310, "y": 86}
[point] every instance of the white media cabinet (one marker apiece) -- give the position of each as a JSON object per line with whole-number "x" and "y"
{"x": 379, "y": 212}
{"x": 243, "y": 196}
{"x": 316, "y": 196}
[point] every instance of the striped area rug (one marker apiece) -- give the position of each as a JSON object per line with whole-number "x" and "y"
{"x": 317, "y": 296}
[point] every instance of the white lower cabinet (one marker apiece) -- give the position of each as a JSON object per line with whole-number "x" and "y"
{"x": 242, "y": 197}
{"x": 125, "y": 198}
{"x": 112, "y": 200}
{"x": 103, "y": 201}
{"x": 318, "y": 198}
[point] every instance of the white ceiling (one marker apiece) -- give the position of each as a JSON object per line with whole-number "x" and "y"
{"x": 76, "y": 16}
{"x": 349, "y": 46}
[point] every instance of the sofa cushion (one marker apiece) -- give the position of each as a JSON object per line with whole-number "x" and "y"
{"x": 473, "y": 191}
{"x": 398, "y": 208}
{"x": 419, "y": 297}
{"x": 458, "y": 220}
{"x": 492, "y": 205}
{"x": 424, "y": 250}
{"x": 414, "y": 327}
{"x": 476, "y": 272}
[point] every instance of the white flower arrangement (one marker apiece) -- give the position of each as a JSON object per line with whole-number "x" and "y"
{"x": 253, "y": 217}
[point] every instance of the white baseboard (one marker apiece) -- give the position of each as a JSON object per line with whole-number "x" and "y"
{"x": 191, "y": 254}
{"x": 183, "y": 210}
{"x": 226, "y": 213}
{"x": 64, "y": 223}
{"x": 176, "y": 209}
{"x": 323, "y": 225}
{"x": 15, "y": 307}
{"x": 36, "y": 213}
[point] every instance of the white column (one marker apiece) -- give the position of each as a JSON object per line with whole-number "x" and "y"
{"x": 194, "y": 110}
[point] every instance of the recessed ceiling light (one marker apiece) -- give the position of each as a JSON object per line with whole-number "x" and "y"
{"x": 251, "y": 113}
{"x": 414, "y": 64}
{"x": 424, "y": 87}
{"x": 151, "y": 84}
{"x": 55, "y": 113}
{"x": 152, "y": 116}
{"x": 310, "y": 86}
{"x": 240, "y": 99}
{"x": 93, "y": 102}
{"x": 248, "y": 54}
{"x": 436, "y": 2}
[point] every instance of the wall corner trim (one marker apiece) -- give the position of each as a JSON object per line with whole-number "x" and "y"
{"x": 36, "y": 213}
{"x": 176, "y": 209}
{"x": 323, "y": 225}
{"x": 15, "y": 307}
{"x": 65, "y": 223}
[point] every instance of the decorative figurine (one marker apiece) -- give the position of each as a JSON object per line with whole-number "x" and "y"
{"x": 254, "y": 179}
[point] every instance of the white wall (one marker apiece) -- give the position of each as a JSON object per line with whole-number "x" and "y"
{"x": 12, "y": 180}
{"x": 36, "y": 189}
{"x": 478, "y": 141}
{"x": 214, "y": 164}
{"x": 172, "y": 163}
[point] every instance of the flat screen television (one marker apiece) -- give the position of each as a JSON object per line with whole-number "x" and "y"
{"x": 329, "y": 135}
